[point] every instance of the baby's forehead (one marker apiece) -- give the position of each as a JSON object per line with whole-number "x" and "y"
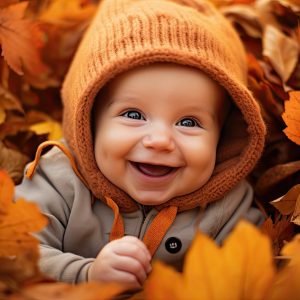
{"x": 171, "y": 83}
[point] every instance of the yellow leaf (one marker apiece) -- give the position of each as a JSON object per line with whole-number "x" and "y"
{"x": 62, "y": 12}
{"x": 281, "y": 50}
{"x": 52, "y": 128}
{"x": 286, "y": 285}
{"x": 291, "y": 117}
{"x": 231, "y": 272}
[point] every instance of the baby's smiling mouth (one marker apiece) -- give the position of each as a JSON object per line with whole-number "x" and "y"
{"x": 153, "y": 170}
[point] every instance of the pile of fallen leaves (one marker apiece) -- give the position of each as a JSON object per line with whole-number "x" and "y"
{"x": 38, "y": 39}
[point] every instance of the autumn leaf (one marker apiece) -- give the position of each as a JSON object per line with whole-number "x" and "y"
{"x": 286, "y": 285}
{"x": 275, "y": 175}
{"x": 279, "y": 232}
{"x": 63, "y": 291}
{"x": 17, "y": 220}
{"x": 281, "y": 50}
{"x": 13, "y": 162}
{"x": 291, "y": 117}
{"x": 52, "y": 128}
{"x": 233, "y": 271}
{"x": 20, "y": 40}
{"x": 286, "y": 204}
{"x": 66, "y": 12}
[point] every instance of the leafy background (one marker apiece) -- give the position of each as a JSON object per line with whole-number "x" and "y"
{"x": 38, "y": 40}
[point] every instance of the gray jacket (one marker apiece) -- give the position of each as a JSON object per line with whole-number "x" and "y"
{"x": 78, "y": 229}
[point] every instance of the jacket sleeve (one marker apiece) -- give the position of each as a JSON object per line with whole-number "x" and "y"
{"x": 52, "y": 188}
{"x": 221, "y": 217}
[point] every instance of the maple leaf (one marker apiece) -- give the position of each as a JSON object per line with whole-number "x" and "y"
{"x": 233, "y": 271}
{"x": 291, "y": 117}
{"x": 20, "y": 40}
{"x": 279, "y": 232}
{"x": 17, "y": 220}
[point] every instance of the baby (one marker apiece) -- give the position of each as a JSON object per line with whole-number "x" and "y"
{"x": 160, "y": 132}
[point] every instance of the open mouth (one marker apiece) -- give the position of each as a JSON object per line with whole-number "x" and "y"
{"x": 153, "y": 170}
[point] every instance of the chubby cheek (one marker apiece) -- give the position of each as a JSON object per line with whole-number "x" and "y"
{"x": 201, "y": 161}
{"x": 112, "y": 144}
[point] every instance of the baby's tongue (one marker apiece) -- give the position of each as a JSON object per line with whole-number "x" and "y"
{"x": 153, "y": 170}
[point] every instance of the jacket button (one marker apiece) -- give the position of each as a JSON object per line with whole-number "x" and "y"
{"x": 173, "y": 245}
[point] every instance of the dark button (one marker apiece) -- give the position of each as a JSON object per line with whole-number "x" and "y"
{"x": 173, "y": 245}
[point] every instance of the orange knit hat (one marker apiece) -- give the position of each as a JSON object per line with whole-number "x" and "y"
{"x": 127, "y": 33}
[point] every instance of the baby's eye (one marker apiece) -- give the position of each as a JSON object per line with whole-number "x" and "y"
{"x": 188, "y": 122}
{"x": 133, "y": 114}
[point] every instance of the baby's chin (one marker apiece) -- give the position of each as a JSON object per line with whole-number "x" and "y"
{"x": 151, "y": 199}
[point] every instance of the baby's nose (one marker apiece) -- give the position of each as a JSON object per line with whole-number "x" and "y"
{"x": 160, "y": 140}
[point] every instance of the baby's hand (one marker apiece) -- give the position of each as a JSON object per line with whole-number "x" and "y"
{"x": 126, "y": 260}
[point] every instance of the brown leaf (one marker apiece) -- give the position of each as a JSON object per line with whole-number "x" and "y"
{"x": 279, "y": 232}
{"x": 13, "y": 162}
{"x": 291, "y": 117}
{"x": 275, "y": 175}
{"x": 281, "y": 50}
{"x": 20, "y": 40}
{"x": 286, "y": 204}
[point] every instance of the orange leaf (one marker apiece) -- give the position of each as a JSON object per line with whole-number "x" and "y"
{"x": 291, "y": 117}
{"x": 233, "y": 271}
{"x": 17, "y": 220}
{"x": 6, "y": 192}
{"x": 20, "y": 40}
{"x": 64, "y": 291}
{"x": 286, "y": 204}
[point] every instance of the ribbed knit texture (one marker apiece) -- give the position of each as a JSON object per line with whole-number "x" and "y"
{"x": 129, "y": 33}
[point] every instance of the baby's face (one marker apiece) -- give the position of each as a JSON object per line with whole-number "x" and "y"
{"x": 157, "y": 131}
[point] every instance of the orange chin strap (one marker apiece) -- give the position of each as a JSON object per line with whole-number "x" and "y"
{"x": 157, "y": 229}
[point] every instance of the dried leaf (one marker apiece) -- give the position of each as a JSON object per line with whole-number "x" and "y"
{"x": 66, "y": 12}
{"x": 20, "y": 40}
{"x": 2, "y": 115}
{"x": 9, "y": 101}
{"x": 279, "y": 232}
{"x": 281, "y": 50}
{"x": 230, "y": 272}
{"x": 246, "y": 16}
{"x": 6, "y": 191}
{"x": 291, "y": 117}
{"x": 275, "y": 175}
{"x": 52, "y": 128}
{"x": 286, "y": 204}
{"x": 13, "y": 162}
{"x": 16, "y": 221}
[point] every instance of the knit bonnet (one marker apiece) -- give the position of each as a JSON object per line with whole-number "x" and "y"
{"x": 128, "y": 33}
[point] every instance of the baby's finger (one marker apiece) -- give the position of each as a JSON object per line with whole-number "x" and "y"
{"x": 138, "y": 242}
{"x": 129, "y": 249}
{"x": 132, "y": 266}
